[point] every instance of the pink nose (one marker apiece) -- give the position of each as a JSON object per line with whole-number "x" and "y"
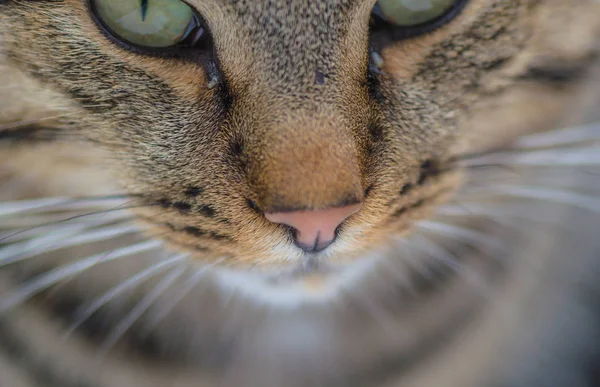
{"x": 315, "y": 230}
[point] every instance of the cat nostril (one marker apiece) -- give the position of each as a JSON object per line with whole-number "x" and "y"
{"x": 316, "y": 229}
{"x": 316, "y": 247}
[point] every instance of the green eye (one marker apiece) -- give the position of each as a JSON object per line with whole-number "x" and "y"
{"x": 148, "y": 23}
{"x": 407, "y": 13}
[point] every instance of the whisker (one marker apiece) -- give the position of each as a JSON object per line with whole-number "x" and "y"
{"x": 142, "y": 307}
{"x": 44, "y": 281}
{"x": 15, "y": 207}
{"x": 23, "y": 251}
{"x": 435, "y": 251}
{"x": 19, "y": 124}
{"x": 582, "y": 201}
{"x": 516, "y": 220}
{"x": 84, "y": 313}
{"x": 538, "y": 158}
{"x": 118, "y": 208}
{"x": 186, "y": 288}
{"x": 583, "y": 133}
{"x": 416, "y": 264}
{"x": 398, "y": 267}
{"x": 474, "y": 237}
{"x": 50, "y": 223}
{"x": 557, "y": 139}
{"x": 22, "y": 207}
{"x": 443, "y": 255}
{"x": 546, "y": 177}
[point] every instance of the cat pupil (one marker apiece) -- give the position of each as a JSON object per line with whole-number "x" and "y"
{"x": 144, "y": 7}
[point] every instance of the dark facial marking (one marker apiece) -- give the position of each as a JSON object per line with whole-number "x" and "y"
{"x": 253, "y": 206}
{"x": 164, "y": 203}
{"x": 193, "y": 191}
{"x": 319, "y": 78}
{"x": 369, "y": 190}
{"x": 428, "y": 169}
{"x": 207, "y": 210}
{"x": 182, "y": 206}
{"x": 377, "y": 133}
{"x": 31, "y": 134}
{"x": 195, "y": 231}
{"x": 555, "y": 73}
{"x": 406, "y": 188}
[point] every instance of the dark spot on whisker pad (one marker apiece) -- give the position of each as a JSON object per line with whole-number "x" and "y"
{"x": 252, "y": 205}
{"x": 428, "y": 169}
{"x": 406, "y": 189}
{"x": 198, "y": 232}
{"x": 164, "y": 203}
{"x": 219, "y": 237}
{"x": 207, "y": 210}
{"x": 182, "y": 206}
{"x": 400, "y": 211}
{"x": 405, "y": 209}
{"x": 193, "y": 191}
{"x": 195, "y": 231}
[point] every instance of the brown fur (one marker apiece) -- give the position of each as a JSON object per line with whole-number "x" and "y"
{"x": 300, "y": 118}
{"x": 276, "y": 137}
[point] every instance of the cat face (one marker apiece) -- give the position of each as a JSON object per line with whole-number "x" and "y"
{"x": 296, "y": 107}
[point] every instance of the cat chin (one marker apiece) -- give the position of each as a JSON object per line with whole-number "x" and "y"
{"x": 289, "y": 287}
{"x": 313, "y": 282}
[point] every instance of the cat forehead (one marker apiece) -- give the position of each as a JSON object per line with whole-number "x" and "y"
{"x": 285, "y": 14}
{"x": 276, "y": 8}
{"x": 286, "y": 41}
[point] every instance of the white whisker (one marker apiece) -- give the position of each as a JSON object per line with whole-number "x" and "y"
{"x": 539, "y": 158}
{"x": 23, "y": 206}
{"x": 435, "y": 251}
{"x": 44, "y": 281}
{"x": 23, "y": 251}
{"x": 19, "y": 124}
{"x": 441, "y": 254}
{"x": 584, "y": 133}
{"x": 83, "y": 314}
{"x": 70, "y": 219}
{"x": 186, "y": 288}
{"x": 509, "y": 216}
{"x": 417, "y": 264}
{"x": 141, "y": 307}
{"x": 460, "y": 233}
{"x": 397, "y": 266}
{"x": 56, "y": 204}
{"x": 34, "y": 230}
{"x": 585, "y": 202}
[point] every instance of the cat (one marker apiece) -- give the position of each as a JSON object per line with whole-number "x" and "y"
{"x": 299, "y": 193}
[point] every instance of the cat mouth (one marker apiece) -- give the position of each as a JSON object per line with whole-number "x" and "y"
{"x": 351, "y": 243}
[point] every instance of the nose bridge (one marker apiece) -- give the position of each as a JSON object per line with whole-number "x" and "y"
{"x": 298, "y": 101}
{"x": 309, "y": 162}
{"x": 294, "y": 45}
